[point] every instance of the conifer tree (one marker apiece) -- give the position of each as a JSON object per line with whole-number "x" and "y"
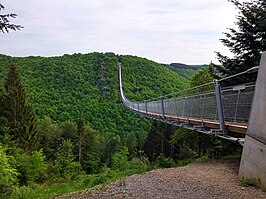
{"x": 3, "y": 120}
{"x": 5, "y": 24}
{"x": 248, "y": 41}
{"x": 19, "y": 112}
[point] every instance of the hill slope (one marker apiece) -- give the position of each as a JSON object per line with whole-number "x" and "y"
{"x": 86, "y": 85}
{"x": 208, "y": 179}
{"x": 186, "y": 71}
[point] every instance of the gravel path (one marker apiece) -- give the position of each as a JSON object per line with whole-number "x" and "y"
{"x": 203, "y": 180}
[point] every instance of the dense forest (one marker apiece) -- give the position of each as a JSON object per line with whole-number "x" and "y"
{"x": 71, "y": 86}
{"x": 63, "y": 116}
{"x": 186, "y": 71}
{"x": 63, "y": 126}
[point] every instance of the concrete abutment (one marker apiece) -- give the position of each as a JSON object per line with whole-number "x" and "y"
{"x": 253, "y": 160}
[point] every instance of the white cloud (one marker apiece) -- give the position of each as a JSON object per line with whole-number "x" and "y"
{"x": 161, "y": 30}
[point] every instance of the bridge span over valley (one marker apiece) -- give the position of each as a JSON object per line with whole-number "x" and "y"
{"x": 236, "y": 113}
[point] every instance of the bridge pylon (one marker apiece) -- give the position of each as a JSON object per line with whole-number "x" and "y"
{"x": 253, "y": 160}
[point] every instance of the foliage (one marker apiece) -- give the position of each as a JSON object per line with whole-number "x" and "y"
{"x": 145, "y": 72}
{"x": 221, "y": 148}
{"x": 51, "y": 137}
{"x": 5, "y": 25}
{"x": 179, "y": 135}
{"x": 92, "y": 150}
{"x": 185, "y": 71}
{"x": 186, "y": 142}
{"x": 3, "y": 120}
{"x": 203, "y": 76}
{"x": 158, "y": 141}
{"x": 19, "y": 113}
{"x": 185, "y": 162}
{"x": 36, "y": 166}
{"x": 8, "y": 174}
{"x": 247, "y": 42}
{"x": 250, "y": 182}
{"x": 164, "y": 162}
{"x": 64, "y": 165}
{"x": 85, "y": 86}
{"x": 120, "y": 160}
{"x": 137, "y": 163}
{"x": 85, "y": 182}
{"x": 83, "y": 126}
{"x": 31, "y": 167}
{"x": 20, "y": 192}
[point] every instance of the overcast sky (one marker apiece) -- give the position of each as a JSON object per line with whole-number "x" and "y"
{"x": 166, "y": 31}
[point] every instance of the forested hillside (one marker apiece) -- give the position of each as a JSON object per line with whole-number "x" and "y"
{"x": 86, "y": 86}
{"x": 186, "y": 71}
{"x": 81, "y": 128}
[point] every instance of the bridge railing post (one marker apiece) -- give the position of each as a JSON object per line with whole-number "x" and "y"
{"x": 184, "y": 106}
{"x": 146, "y": 108}
{"x": 176, "y": 106}
{"x": 161, "y": 98}
{"x": 237, "y": 102}
{"x": 219, "y": 104}
{"x": 202, "y": 107}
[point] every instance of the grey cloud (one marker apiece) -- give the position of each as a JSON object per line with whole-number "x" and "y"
{"x": 162, "y": 30}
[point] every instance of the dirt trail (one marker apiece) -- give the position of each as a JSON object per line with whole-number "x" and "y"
{"x": 203, "y": 180}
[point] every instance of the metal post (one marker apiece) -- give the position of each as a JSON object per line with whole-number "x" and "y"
{"x": 219, "y": 103}
{"x": 184, "y": 106}
{"x": 202, "y": 107}
{"x": 162, "y": 106}
{"x": 176, "y": 106}
{"x": 146, "y": 108}
{"x": 237, "y": 101}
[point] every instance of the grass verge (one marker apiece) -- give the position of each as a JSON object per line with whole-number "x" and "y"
{"x": 81, "y": 182}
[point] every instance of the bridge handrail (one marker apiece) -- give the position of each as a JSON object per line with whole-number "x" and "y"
{"x": 223, "y": 104}
{"x": 250, "y": 70}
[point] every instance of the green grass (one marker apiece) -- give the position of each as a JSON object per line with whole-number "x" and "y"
{"x": 84, "y": 182}
{"x": 250, "y": 182}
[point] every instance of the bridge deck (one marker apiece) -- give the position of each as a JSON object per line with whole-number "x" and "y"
{"x": 212, "y": 124}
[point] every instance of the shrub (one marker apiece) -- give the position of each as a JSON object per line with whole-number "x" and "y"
{"x": 8, "y": 175}
{"x": 31, "y": 166}
{"x": 164, "y": 162}
{"x": 73, "y": 170}
{"x": 120, "y": 161}
{"x": 21, "y": 192}
{"x": 64, "y": 165}
{"x": 250, "y": 182}
{"x": 137, "y": 163}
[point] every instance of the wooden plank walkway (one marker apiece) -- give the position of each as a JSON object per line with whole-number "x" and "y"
{"x": 233, "y": 127}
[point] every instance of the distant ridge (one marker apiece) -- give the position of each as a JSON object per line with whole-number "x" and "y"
{"x": 184, "y": 70}
{"x": 185, "y": 66}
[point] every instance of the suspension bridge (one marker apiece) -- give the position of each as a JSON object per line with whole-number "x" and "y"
{"x": 224, "y": 112}
{"x": 218, "y": 111}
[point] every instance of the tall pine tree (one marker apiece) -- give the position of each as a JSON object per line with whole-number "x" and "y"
{"x": 3, "y": 121}
{"x": 5, "y": 24}
{"x": 247, "y": 42}
{"x": 19, "y": 112}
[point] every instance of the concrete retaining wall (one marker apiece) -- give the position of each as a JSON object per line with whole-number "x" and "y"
{"x": 253, "y": 160}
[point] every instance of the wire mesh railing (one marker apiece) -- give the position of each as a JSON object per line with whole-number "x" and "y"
{"x": 237, "y": 101}
{"x": 205, "y": 102}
